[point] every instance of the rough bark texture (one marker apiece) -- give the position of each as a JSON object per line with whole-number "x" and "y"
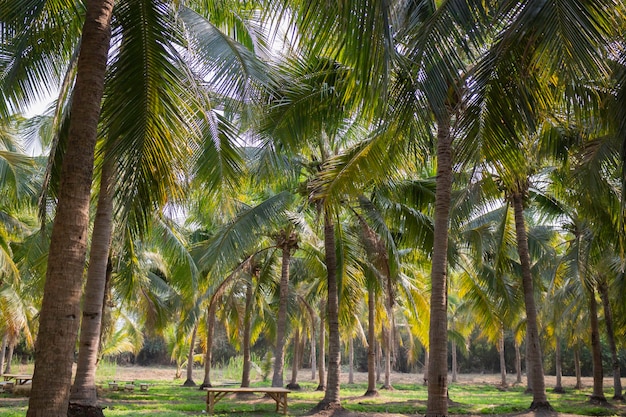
{"x": 610, "y": 332}
{"x": 293, "y": 384}
{"x": 192, "y": 344}
{"x": 84, "y": 389}
{"x": 533, "y": 350}
{"x": 7, "y": 368}
{"x": 60, "y": 311}
{"x": 331, "y": 396}
{"x": 437, "y": 404}
{"x": 3, "y": 350}
{"x": 371, "y": 345}
{"x": 596, "y": 351}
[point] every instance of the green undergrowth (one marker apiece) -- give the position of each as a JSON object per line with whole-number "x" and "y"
{"x": 170, "y": 399}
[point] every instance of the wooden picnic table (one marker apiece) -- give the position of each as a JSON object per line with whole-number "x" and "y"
{"x": 19, "y": 379}
{"x": 214, "y": 394}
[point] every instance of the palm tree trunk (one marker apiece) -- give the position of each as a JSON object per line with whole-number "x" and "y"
{"x": 208, "y": 359}
{"x": 313, "y": 342}
{"x": 351, "y": 360}
{"x": 245, "y": 374}
{"x": 331, "y": 397}
{"x": 3, "y": 351}
{"x": 437, "y": 404}
{"x": 84, "y": 389}
{"x": 596, "y": 350}
{"x": 281, "y": 321}
{"x": 502, "y": 360}
{"x": 379, "y": 360}
{"x": 293, "y": 384}
{"x": 192, "y": 344}
{"x": 387, "y": 382}
{"x": 454, "y": 362}
{"x": 371, "y": 344}
{"x": 60, "y": 310}
{"x": 559, "y": 369}
{"x": 577, "y": 370}
{"x": 533, "y": 350}
{"x": 7, "y": 368}
{"x": 426, "y": 365}
{"x": 608, "y": 320}
{"x": 322, "y": 359}
{"x": 518, "y": 363}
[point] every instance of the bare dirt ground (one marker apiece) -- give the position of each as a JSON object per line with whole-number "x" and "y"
{"x": 361, "y": 377}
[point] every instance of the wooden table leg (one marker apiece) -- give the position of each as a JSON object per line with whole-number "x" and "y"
{"x": 211, "y": 402}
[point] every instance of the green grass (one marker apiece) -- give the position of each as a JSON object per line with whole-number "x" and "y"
{"x": 170, "y": 399}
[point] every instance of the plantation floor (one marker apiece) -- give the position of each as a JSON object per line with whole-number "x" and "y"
{"x": 473, "y": 395}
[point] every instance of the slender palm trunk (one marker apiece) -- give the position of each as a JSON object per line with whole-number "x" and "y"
{"x": 379, "y": 360}
{"x": 596, "y": 350}
{"x": 540, "y": 401}
{"x": 281, "y": 321}
{"x": 577, "y": 370}
{"x": 331, "y": 397}
{"x": 426, "y": 365}
{"x": 454, "y": 363}
{"x": 3, "y": 351}
{"x": 208, "y": 359}
{"x": 437, "y": 404}
{"x": 293, "y": 384}
{"x": 559, "y": 371}
{"x": 247, "y": 318}
{"x": 313, "y": 342}
{"x": 321, "y": 368}
{"x": 502, "y": 360}
{"x": 608, "y": 320}
{"x": 84, "y": 389}
{"x": 7, "y": 368}
{"x": 351, "y": 360}
{"x": 371, "y": 344}
{"x": 190, "y": 355}
{"x": 60, "y": 311}
{"x": 387, "y": 339}
{"x": 518, "y": 363}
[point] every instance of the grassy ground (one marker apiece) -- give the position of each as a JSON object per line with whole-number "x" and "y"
{"x": 167, "y": 398}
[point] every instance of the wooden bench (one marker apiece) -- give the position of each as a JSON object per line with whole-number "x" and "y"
{"x": 214, "y": 394}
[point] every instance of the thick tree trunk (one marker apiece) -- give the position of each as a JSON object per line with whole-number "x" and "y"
{"x": 247, "y": 318}
{"x": 84, "y": 389}
{"x": 437, "y": 404}
{"x": 281, "y": 321}
{"x": 331, "y": 396}
{"x": 190, "y": 355}
{"x": 60, "y": 311}
{"x": 208, "y": 358}
{"x": 608, "y": 320}
{"x": 577, "y": 370}
{"x": 454, "y": 362}
{"x": 321, "y": 368}
{"x": 533, "y": 350}
{"x": 502, "y": 360}
{"x": 518, "y": 364}
{"x": 559, "y": 371}
{"x": 371, "y": 345}
{"x": 596, "y": 350}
